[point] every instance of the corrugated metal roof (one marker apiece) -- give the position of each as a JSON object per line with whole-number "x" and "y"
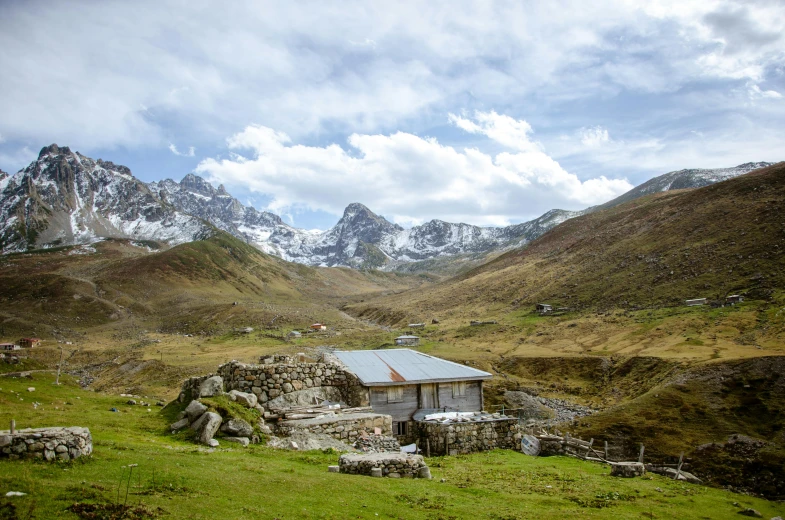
{"x": 397, "y": 366}
{"x": 408, "y": 337}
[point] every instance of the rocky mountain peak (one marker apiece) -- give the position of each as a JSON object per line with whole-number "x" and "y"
{"x": 53, "y": 149}
{"x": 196, "y": 184}
{"x": 358, "y": 215}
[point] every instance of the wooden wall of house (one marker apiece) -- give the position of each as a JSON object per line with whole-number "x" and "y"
{"x": 471, "y": 402}
{"x": 402, "y": 411}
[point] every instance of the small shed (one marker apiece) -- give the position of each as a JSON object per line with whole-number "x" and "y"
{"x": 409, "y": 341}
{"x": 734, "y": 298}
{"x": 318, "y": 326}
{"x": 295, "y": 334}
{"x": 29, "y": 342}
{"x": 9, "y": 346}
{"x": 544, "y": 308}
{"x": 695, "y": 302}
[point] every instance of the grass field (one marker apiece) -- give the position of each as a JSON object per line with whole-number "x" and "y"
{"x": 176, "y": 479}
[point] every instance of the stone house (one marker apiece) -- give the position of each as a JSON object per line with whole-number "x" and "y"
{"x": 544, "y": 308}
{"x": 734, "y": 298}
{"x": 9, "y": 346}
{"x": 318, "y": 326}
{"x": 401, "y": 382}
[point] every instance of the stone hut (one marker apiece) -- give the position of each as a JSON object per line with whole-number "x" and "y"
{"x": 399, "y": 382}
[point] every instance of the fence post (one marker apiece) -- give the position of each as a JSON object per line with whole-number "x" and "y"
{"x": 678, "y": 470}
{"x": 640, "y": 456}
{"x": 13, "y": 426}
{"x": 606, "y": 450}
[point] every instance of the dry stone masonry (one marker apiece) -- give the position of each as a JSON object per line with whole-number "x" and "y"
{"x": 280, "y": 375}
{"x": 392, "y": 465}
{"x": 46, "y": 443}
{"x": 347, "y": 428}
{"x": 469, "y": 437}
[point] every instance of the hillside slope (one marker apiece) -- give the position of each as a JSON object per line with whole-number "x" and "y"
{"x": 654, "y": 251}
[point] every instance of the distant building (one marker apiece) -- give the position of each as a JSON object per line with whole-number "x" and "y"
{"x": 409, "y": 341}
{"x": 29, "y": 342}
{"x": 734, "y": 298}
{"x": 416, "y": 325}
{"x": 696, "y": 301}
{"x": 9, "y": 346}
{"x": 318, "y": 326}
{"x": 544, "y": 308}
{"x": 295, "y": 334}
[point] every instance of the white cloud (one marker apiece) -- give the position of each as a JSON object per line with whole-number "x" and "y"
{"x": 189, "y": 153}
{"x": 593, "y": 136}
{"x": 410, "y": 178}
{"x": 310, "y": 69}
{"x": 503, "y": 129}
{"x": 755, "y": 92}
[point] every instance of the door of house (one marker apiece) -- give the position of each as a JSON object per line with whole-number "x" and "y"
{"x": 429, "y": 396}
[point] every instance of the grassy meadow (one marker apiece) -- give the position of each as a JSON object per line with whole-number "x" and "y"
{"x": 177, "y": 479}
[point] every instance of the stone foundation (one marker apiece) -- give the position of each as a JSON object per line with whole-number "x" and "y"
{"x": 343, "y": 427}
{"x": 469, "y": 437}
{"x": 46, "y": 443}
{"x": 393, "y": 465}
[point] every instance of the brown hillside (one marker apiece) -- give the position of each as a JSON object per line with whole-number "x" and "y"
{"x": 655, "y": 251}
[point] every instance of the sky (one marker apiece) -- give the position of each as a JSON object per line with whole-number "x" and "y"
{"x": 483, "y": 112}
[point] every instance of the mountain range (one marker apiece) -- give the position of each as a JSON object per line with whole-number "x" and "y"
{"x": 65, "y": 198}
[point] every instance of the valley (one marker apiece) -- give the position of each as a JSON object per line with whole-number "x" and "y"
{"x": 138, "y": 316}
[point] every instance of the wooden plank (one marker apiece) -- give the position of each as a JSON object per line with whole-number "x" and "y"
{"x": 678, "y": 470}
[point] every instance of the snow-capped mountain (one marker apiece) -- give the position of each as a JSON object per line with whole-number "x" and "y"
{"x": 693, "y": 178}
{"x": 196, "y": 196}
{"x": 65, "y": 198}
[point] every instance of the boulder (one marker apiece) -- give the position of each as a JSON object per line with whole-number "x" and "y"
{"x": 199, "y": 422}
{"x": 211, "y": 387}
{"x": 627, "y": 469}
{"x": 194, "y": 410}
{"x": 179, "y": 425}
{"x": 213, "y": 443}
{"x": 237, "y": 428}
{"x": 245, "y": 399}
{"x": 751, "y": 512}
{"x": 245, "y": 441}
{"x": 376, "y": 472}
{"x": 424, "y": 472}
{"x": 209, "y": 426}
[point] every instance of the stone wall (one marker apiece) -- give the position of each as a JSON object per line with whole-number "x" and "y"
{"x": 46, "y": 443}
{"x": 268, "y": 381}
{"x": 469, "y": 437}
{"x": 347, "y": 428}
{"x": 393, "y": 465}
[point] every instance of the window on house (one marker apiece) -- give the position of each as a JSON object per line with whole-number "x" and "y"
{"x": 394, "y": 394}
{"x": 459, "y": 389}
{"x": 400, "y": 428}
